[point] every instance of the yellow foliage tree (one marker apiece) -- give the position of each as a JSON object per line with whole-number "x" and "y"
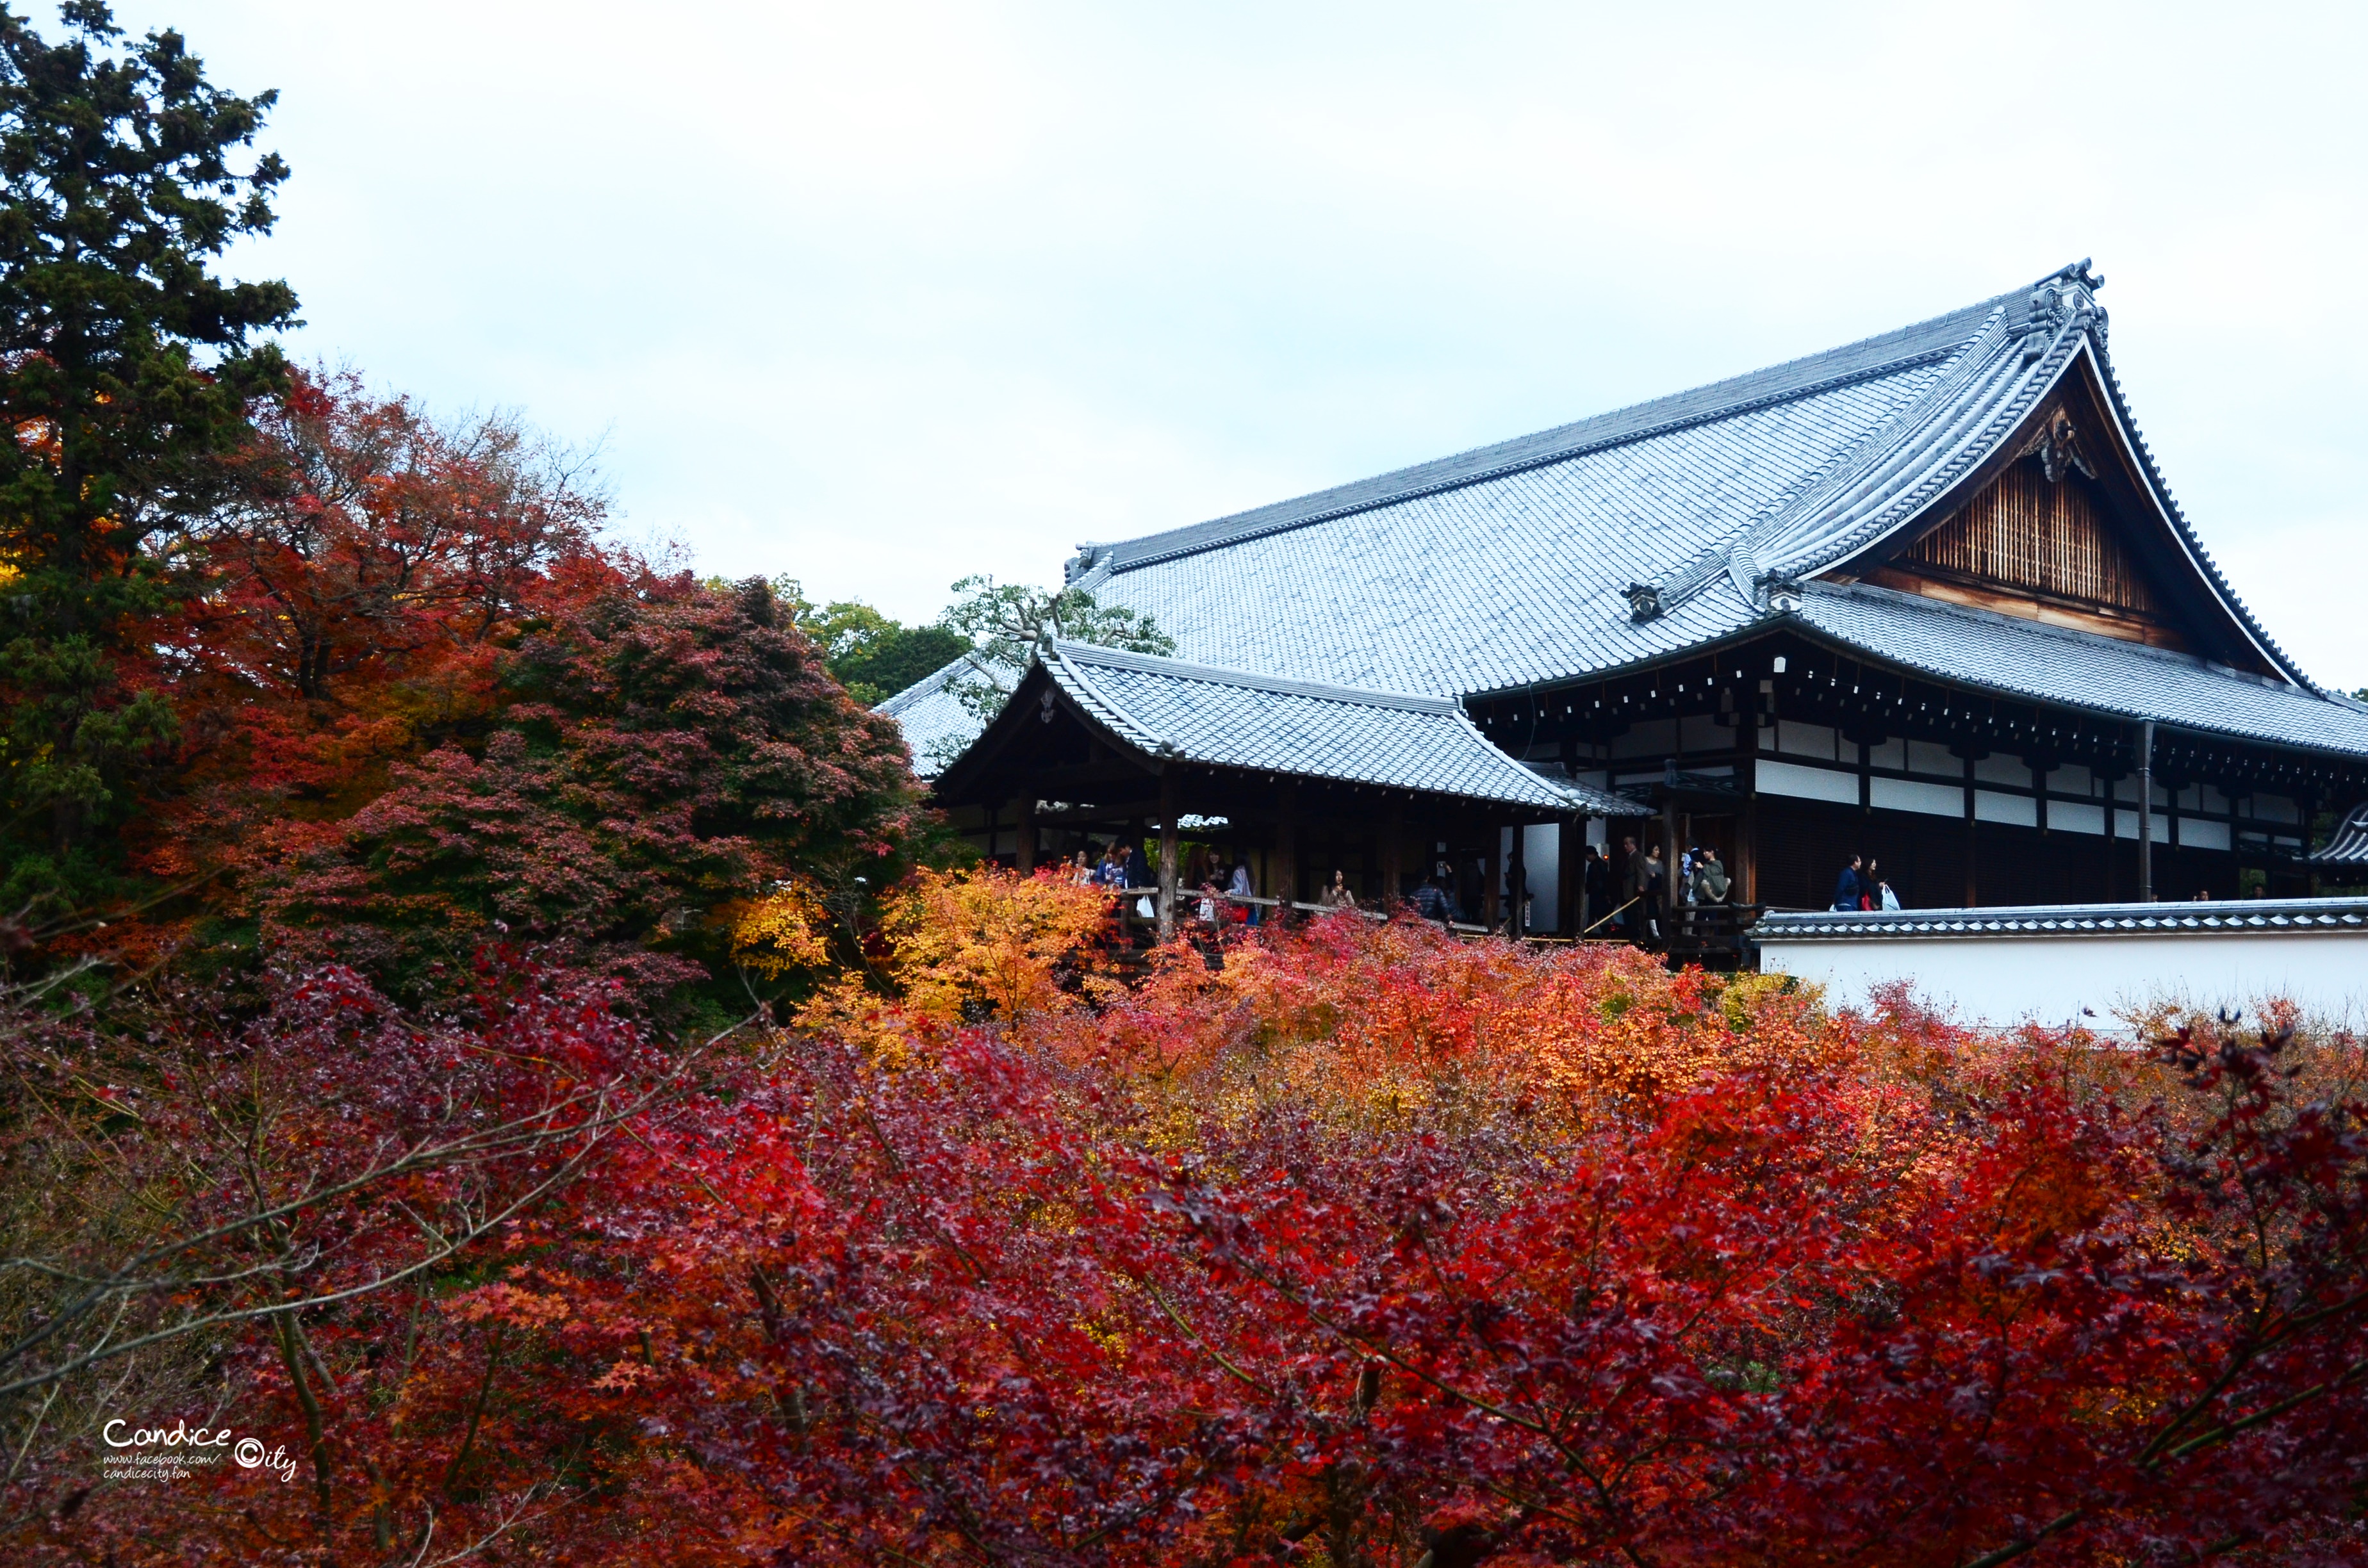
{"x": 785, "y": 931}
{"x": 991, "y": 942}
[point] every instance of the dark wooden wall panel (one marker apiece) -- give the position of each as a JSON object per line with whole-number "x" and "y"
{"x": 1802, "y": 844}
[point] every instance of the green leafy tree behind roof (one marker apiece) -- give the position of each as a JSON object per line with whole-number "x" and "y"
{"x": 1003, "y": 620}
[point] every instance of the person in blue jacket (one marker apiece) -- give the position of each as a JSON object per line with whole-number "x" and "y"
{"x": 1853, "y": 886}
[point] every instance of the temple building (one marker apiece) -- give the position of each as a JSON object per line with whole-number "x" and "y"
{"x": 1926, "y": 597}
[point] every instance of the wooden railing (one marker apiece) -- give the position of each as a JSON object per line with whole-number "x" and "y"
{"x": 1188, "y": 900}
{"x": 1712, "y": 933}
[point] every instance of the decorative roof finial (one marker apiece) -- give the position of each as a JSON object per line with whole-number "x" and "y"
{"x": 1643, "y": 600}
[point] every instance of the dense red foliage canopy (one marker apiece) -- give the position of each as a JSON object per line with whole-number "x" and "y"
{"x": 422, "y": 706}
{"x": 1368, "y": 1247}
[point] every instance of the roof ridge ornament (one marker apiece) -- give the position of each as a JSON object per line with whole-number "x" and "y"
{"x": 1644, "y": 601}
{"x": 1783, "y": 591}
{"x": 2067, "y": 294}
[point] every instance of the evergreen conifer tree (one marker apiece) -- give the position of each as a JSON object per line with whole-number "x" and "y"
{"x": 127, "y": 364}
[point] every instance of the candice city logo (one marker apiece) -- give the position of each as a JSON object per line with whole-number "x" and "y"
{"x": 172, "y": 1453}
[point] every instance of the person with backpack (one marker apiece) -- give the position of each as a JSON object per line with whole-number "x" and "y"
{"x": 1432, "y": 903}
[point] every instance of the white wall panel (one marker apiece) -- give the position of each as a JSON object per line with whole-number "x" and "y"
{"x": 2020, "y": 810}
{"x": 1808, "y": 783}
{"x": 2194, "y": 835}
{"x": 2074, "y": 816}
{"x": 2003, "y": 981}
{"x": 1906, "y": 795}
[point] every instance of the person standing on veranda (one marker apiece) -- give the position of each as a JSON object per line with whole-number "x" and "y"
{"x": 1432, "y": 903}
{"x": 1711, "y": 884}
{"x": 1242, "y": 887}
{"x": 1849, "y": 889}
{"x": 1595, "y": 899}
{"x": 1653, "y": 888}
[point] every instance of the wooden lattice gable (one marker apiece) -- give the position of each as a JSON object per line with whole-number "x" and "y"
{"x": 2037, "y": 532}
{"x": 2063, "y": 524}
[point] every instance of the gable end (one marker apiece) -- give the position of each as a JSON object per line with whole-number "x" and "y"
{"x": 2061, "y": 526}
{"x": 2027, "y": 531}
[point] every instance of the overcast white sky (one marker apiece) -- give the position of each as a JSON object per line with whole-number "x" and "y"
{"x": 879, "y": 294}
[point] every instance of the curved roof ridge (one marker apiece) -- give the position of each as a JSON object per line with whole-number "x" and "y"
{"x": 928, "y": 684}
{"x": 1894, "y": 478}
{"x": 1890, "y": 447}
{"x": 2202, "y": 557}
{"x": 1926, "y": 342}
{"x": 1262, "y": 725}
{"x": 1218, "y": 675}
{"x": 2348, "y": 845}
{"x": 1108, "y": 707}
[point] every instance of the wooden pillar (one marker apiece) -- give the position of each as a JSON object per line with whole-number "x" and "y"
{"x": 994, "y": 820}
{"x": 1027, "y": 850}
{"x": 1492, "y": 876}
{"x": 1393, "y": 852}
{"x": 1747, "y": 846}
{"x": 2146, "y": 811}
{"x": 1668, "y": 868}
{"x": 1170, "y": 798}
{"x": 2310, "y": 799}
{"x": 1286, "y": 843}
{"x": 1973, "y": 854}
{"x": 1517, "y": 882}
{"x": 1570, "y": 875}
{"x": 2112, "y": 817}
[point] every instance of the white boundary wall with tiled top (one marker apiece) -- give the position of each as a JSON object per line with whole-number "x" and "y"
{"x": 2089, "y": 976}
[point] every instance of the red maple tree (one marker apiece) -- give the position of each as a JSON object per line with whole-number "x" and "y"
{"x": 1368, "y": 1248}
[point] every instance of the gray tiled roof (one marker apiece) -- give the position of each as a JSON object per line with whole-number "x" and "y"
{"x": 2348, "y": 845}
{"x": 936, "y": 725}
{"x": 1507, "y": 580}
{"x": 2022, "y": 658}
{"x": 2234, "y": 918}
{"x": 1227, "y": 719}
{"x": 1509, "y": 566}
{"x": 1927, "y": 343}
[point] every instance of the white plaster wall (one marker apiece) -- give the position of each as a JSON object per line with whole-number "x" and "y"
{"x": 2004, "y": 980}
